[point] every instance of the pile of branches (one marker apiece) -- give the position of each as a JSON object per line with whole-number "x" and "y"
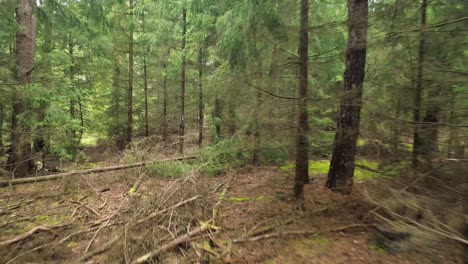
{"x": 143, "y": 227}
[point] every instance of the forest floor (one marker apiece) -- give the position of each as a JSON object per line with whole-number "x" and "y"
{"x": 246, "y": 216}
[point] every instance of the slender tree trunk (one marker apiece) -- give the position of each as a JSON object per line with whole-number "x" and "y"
{"x": 20, "y": 161}
{"x": 41, "y": 137}
{"x": 71, "y": 74}
{"x": 145, "y": 79}
{"x": 456, "y": 148}
{"x": 200, "y": 96}
{"x": 217, "y": 118}
{"x": 340, "y": 175}
{"x": 130, "y": 78}
{"x": 417, "y": 140}
{"x": 164, "y": 112}
{"x": 396, "y": 129}
{"x": 145, "y": 82}
{"x": 182, "y": 84}
{"x": 1, "y": 130}
{"x": 302, "y": 146}
{"x": 256, "y": 126}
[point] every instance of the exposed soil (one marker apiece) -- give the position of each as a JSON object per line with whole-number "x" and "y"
{"x": 89, "y": 211}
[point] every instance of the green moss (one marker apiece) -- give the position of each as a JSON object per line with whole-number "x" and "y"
{"x": 364, "y": 170}
{"x": 72, "y": 244}
{"x": 376, "y": 249}
{"x": 238, "y": 199}
{"x": 322, "y": 241}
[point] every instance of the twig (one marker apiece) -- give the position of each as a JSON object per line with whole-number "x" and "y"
{"x": 179, "y": 240}
{"x": 25, "y": 235}
{"x": 98, "y": 250}
{"x": 167, "y": 209}
{"x": 295, "y": 233}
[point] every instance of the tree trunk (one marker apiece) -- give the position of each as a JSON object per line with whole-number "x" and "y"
{"x": 145, "y": 79}
{"x": 182, "y": 84}
{"x": 200, "y": 96}
{"x": 302, "y": 146}
{"x": 72, "y": 107}
{"x": 456, "y": 149}
{"x": 429, "y": 131}
{"x": 340, "y": 175}
{"x": 130, "y": 77}
{"x": 417, "y": 140}
{"x": 20, "y": 161}
{"x": 145, "y": 82}
{"x": 164, "y": 112}
{"x": 217, "y": 119}
{"x": 41, "y": 134}
{"x": 1, "y": 130}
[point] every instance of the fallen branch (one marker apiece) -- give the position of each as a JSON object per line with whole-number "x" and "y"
{"x": 25, "y": 235}
{"x": 88, "y": 171}
{"x": 167, "y": 209}
{"x": 299, "y": 232}
{"x": 179, "y": 240}
{"x": 98, "y": 250}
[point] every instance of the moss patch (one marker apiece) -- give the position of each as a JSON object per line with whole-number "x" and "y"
{"x": 364, "y": 170}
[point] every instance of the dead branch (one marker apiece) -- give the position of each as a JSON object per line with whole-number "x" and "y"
{"x": 299, "y": 232}
{"x": 179, "y": 240}
{"x": 88, "y": 171}
{"x": 25, "y": 235}
{"x": 167, "y": 209}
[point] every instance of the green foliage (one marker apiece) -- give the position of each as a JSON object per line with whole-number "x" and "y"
{"x": 168, "y": 169}
{"x": 224, "y": 155}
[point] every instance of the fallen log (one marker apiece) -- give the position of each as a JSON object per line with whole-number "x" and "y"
{"x": 88, "y": 171}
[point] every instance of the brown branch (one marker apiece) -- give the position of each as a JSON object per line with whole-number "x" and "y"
{"x": 88, "y": 171}
{"x": 25, "y": 235}
{"x": 179, "y": 240}
{"x": 299, "y": 232}
{"x": 167, "y": 209}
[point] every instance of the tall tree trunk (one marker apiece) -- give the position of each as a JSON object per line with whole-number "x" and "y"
{"x": 340, "y": 175}
{"x": 164, "y": 111}
{"x": 71, "y": 74}
{"x": 396, "y": 128}
{"x": 20, "y": 160}
{"x": 217, "y": 119}
{"x": 256, "y": 126}
{"x": 182, "y": 84}
{"x": 130, "y": 77}
{"x": 41, "y": 134}
{"x": 200, "y": 95}
{"x": 417, "y": 140}
{"x": 1, "y": 130}
{"x": 302, "y": 146}
{"x": 456, "y": 149}
{"x": 429, "y": 130}
{"x": 145, "y": 82}
{"x": 145, "y": 79}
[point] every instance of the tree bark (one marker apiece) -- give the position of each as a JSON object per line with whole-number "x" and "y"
{"x": 164, "y": 112}
{"x": 145, "y": 83}
{"x": 417, "y": 140}
{"x": 217, "y": 119}
{"x": 182, "y": 84}
{"x": 1, "y": 130}
{"x": 130, "y": 77}
{"x": 20, "y": 161}
{"x": 200, "y": 96}
{"x": 302, "y": 146}
{"x": 340, "y": 175}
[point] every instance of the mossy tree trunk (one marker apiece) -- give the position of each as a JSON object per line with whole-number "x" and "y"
{"x": 340, "y": 175}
